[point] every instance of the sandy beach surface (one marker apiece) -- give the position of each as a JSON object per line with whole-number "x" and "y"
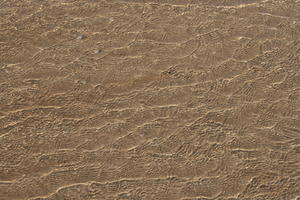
{"x": 149, "y": 100}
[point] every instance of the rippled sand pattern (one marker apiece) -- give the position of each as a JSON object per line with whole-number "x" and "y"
{"x": 149, "y": 100}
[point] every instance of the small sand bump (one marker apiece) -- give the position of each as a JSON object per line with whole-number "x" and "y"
{"x": 97, "y": 51}
{"x": 80, "y": 37}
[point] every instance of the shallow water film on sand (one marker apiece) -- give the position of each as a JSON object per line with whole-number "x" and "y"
{"x": 149, "y": 100}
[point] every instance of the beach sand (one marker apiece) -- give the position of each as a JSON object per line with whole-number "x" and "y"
{"x": 149, "y": 100}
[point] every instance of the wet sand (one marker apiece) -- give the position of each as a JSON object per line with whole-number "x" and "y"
{"x": 149, "y": 99}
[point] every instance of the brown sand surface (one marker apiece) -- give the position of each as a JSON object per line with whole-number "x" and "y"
{"x": 149, "y": 99}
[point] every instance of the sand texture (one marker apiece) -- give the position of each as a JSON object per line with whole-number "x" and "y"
{"x": 149, "y": 100}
